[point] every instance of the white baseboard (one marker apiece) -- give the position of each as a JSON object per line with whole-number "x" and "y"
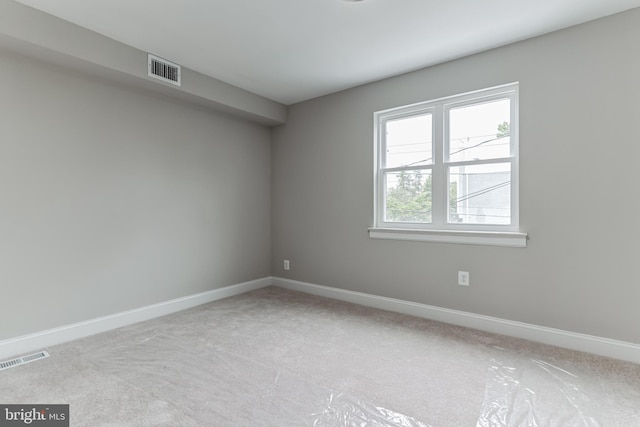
{"x": 571, "y": 340}
{"x": 39, "y": 340}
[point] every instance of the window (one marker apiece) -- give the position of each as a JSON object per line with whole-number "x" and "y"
{"x": 449, "y": 167}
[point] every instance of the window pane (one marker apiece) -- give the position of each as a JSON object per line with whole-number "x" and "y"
{"x": 480, "y": 131}
{"x": 408, "y": 196}
{"x": 480, "y": 194}
{"x": 409, "y": 141}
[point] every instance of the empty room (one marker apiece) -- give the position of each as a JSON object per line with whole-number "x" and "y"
{"x": 319, "y": 213}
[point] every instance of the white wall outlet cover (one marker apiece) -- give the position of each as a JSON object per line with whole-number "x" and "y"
{"x": 463, "y": 278}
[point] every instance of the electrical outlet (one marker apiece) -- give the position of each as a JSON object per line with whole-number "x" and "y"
{"x": 463, "y": 278}
{"x": 287, "y": 265}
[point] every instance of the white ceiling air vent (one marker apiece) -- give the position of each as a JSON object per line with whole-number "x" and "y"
{"x": 164, "y": 70}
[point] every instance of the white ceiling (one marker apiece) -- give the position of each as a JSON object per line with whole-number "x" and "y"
{"x": 293, "y": 50}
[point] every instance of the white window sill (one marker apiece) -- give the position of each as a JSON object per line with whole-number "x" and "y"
{"x": 493, "y": 238}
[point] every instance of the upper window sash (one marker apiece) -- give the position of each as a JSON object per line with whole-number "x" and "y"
{"x": 386, "y": 137}
{"x": 507, "y": 101}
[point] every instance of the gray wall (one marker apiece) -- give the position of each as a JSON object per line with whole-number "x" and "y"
{"x": 579, "y": 147}
{"x": 113, "y": 199}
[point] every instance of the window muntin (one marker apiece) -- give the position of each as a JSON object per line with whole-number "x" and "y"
{"x": 464, "y": 177}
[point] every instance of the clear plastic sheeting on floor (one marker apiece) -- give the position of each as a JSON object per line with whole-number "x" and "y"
{"x": 347, "y": 411}
{"x": 276, "y": 358}
{"x": 535, "y": 393}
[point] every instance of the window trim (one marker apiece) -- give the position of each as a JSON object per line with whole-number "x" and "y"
{"x": 440, "y": 230}
{"x": 464, "y": 237}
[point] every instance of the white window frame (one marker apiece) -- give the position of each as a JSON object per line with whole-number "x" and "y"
{"x": 440, "y": 230}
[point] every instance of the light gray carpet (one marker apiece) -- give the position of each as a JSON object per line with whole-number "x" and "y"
{"x": 274, "y": 357}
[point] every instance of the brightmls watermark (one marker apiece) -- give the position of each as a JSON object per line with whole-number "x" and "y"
{"x": 34, "y": 415}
